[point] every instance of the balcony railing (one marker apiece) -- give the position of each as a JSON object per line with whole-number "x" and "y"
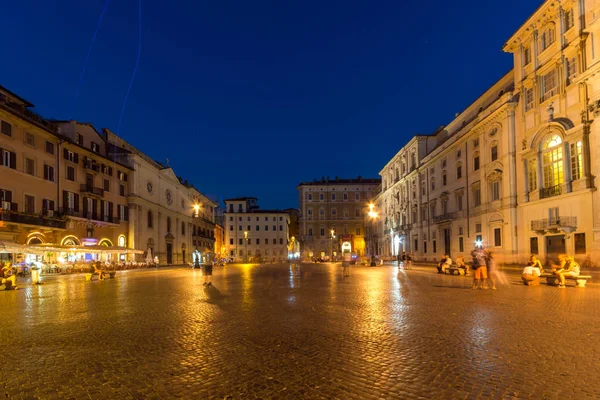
{"x": 550, "y": 191}
{"x": 554, "y": 223}
{"x": 444, "y": 217}
{"x": 92, "y": 166}
{"x": 91, "y": 190}
{"x": 29, "y": 219}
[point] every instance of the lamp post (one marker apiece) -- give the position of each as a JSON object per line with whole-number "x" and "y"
{"x": 372, "y": 215}
{"x": 332, "y": 237}
{"x": 246, "y": 246}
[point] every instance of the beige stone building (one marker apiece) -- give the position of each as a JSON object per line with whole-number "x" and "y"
{"x": 556, "y": 57}
{"x": 443, "y": 192}
{"x": 515, "y": 170}
{"x": 169, "y": 218}
{"x": 255, "y": 235}
{"x": 29, "y": 191}
{"x": 332, "y": 216}
{"x": 58, "y": 187}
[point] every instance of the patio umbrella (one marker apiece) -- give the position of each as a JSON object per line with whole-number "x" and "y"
{"x": 149, "y": 258}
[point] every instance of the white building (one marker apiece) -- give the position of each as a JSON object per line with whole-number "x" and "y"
{"x": 168, "y": 217}
{"x": 515, "y": 170}
{"x": 254, "y": 235}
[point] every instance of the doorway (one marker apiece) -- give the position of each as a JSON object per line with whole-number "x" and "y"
{"x": 555, "y": 245}
{"x": 447, "y": 242}
{"x": 169, "y": 253}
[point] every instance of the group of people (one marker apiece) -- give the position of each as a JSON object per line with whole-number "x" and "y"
{"x": 534, "y": 269}
{"x": 446, "y": 262}
{"x": 8, "y": 277}
{"x": 483, "y": 267}
{"x": 405, "y": 259}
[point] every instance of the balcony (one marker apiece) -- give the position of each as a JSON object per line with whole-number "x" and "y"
{"x": 554, "y": 225}
{"x": 91, "y": 165}
{"x": 444, "y": 218}
{"x": 29, "y": 219}
{"x": 92, "y": 190}
{"x": 550, "y": 191}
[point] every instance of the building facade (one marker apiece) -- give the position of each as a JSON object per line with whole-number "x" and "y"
{"x": 556, "y": 58}
{"x": 255, "y": 235}
{"x": 332, "y": 216}
{"x": 29, "y": 165}
{"x": 59, "y": 188}
{"x": 514, "y": 171}
{"x": 168, "y": 217}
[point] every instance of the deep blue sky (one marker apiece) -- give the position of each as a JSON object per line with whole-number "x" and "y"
{"x": 249, "y": 98}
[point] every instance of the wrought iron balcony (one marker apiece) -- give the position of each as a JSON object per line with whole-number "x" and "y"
{"x": 29, "y": 219}
{"x": 550, "y": 191}
{"x": 444, "y": 217}
{"x": 554, "y": 223}
{"x": 91, "y": 190}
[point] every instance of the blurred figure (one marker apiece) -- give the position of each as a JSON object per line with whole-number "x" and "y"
{"x": 535, "y": 263}
{"x": 460, "y": 264}
{"x": 444, "y": 264}
{"x": 7, "y": 278}
{"x": 490, "y": 265}
{"x": 568, "y": 268}
{"x": 408, "y": 261}
{"x": 346, "y": 264}
{"x": 479, "y": 268}
{"x": 531, "y": 274}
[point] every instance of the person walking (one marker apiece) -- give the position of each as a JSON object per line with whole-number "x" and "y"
{"x": 408, "y": 260}
{"x": 346, "y": 264}
{"x": 207, "y": 270}
{"x": 478, "y": 266}
{"x": 490, "y": 265}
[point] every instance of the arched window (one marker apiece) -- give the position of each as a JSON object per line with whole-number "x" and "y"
{"x": 150, "y": 219}
{"x": 168, "y": 224}
{"x": 121, "y": 241}
{"x": 552, "y": 161}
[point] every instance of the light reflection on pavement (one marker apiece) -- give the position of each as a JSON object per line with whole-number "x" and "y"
{"x": 303, "y": 331}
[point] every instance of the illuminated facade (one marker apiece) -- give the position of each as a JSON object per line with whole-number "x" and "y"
{"x": 556, "y": 57}
{"x": 58, "y": 187}
{"x": 255, "y": 235}
{"x": 332, "y": 216}
{"x": 515, "y": 170}
{"x": 168, "y": 217}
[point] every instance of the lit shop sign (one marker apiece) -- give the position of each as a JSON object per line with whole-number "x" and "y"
{"x": 89, "y": 241}
{"x": 346, "y": 247}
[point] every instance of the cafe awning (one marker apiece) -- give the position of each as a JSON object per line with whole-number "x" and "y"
{"x": 85, "y": 249}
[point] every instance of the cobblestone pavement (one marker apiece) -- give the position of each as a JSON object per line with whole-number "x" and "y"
{"x": 305, "y": 332}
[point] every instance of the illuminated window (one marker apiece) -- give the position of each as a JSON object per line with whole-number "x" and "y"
{"x": 552, "y": 161}
{"x": 122, "y": 241}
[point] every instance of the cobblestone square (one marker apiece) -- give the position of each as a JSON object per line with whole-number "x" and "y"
{"x": 302, "y": 332}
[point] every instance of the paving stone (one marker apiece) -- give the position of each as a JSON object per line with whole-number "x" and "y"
{"x": 267, "y": 332}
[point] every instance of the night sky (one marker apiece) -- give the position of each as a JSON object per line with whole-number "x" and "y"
{"x": 249, "y": 98}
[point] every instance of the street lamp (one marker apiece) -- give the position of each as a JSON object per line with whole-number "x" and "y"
{"x": 246, "y": 246}
{"x": 332, "y": 237}
{"x": 372, "y": 216}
